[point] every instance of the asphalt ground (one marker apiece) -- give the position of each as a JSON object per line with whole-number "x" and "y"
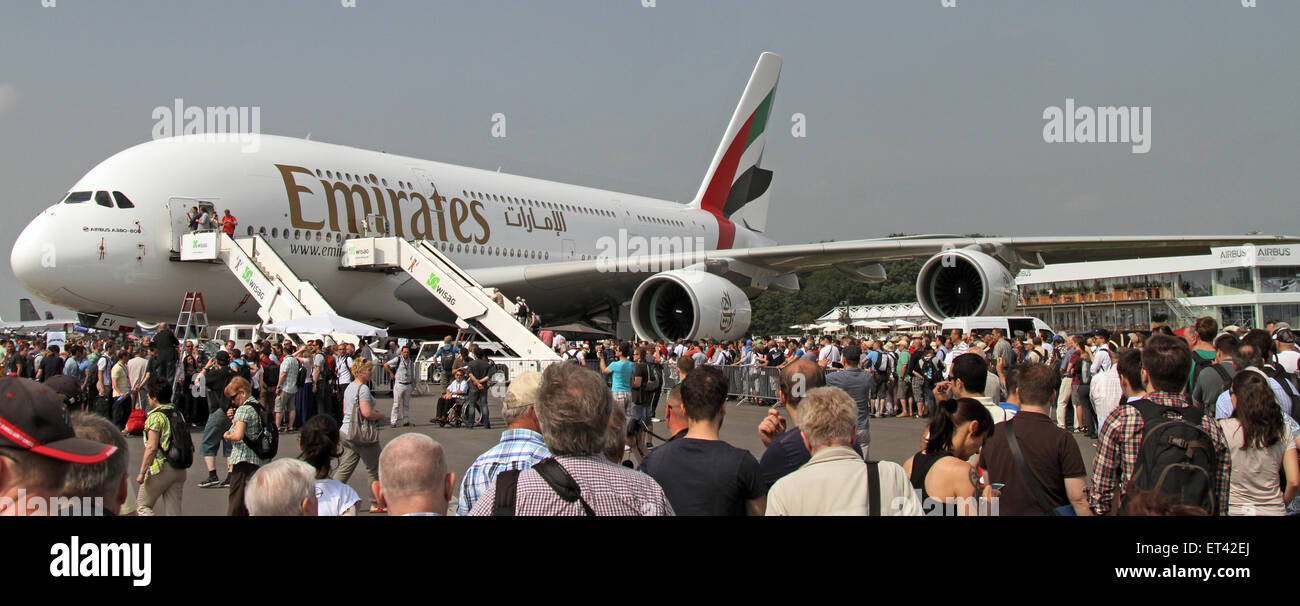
{"x": 892, "y": 439}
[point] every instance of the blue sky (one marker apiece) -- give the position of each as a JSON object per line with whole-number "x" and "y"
{"x": 920, "y": 118}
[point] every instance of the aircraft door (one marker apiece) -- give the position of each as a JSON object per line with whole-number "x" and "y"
{"x": 178, "y": 223}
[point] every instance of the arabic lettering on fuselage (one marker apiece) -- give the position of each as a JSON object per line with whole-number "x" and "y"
{"x": 462, "y": 220}
{"x": 555, "y": 222}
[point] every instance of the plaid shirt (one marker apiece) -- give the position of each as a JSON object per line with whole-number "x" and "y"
{"x": 610, "y": 490}
{"x": 518, "y": 449}
{"x": 1121, "y": 439}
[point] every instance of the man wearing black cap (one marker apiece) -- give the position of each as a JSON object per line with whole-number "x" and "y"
{"x": 37, "y": 445}
{"x": 216, "y": 375}
{"x": 859, "y": 384}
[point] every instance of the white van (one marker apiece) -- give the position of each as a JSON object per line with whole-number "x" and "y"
{"x": 1014, "y": 327}
{"x": 241, "y": 334}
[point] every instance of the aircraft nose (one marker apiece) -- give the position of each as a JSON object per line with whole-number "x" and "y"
{"x": 34, "y": 258}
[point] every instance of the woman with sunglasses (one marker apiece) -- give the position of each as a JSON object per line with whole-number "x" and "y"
{"x": 1263, "y": 449}
{"x": 948, "y": 483}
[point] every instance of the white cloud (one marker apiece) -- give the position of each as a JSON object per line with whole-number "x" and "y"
{"x": 8, "y": 97}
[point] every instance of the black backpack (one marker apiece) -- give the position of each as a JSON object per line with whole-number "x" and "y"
{"x": 302, "y": 374}
{"x": 272, "y": 374}
{"x": 653, "y": 379}
{"x": 267, "y": 444}
{"x": 180, "y": 452}
{"x": 1177, "y": 458}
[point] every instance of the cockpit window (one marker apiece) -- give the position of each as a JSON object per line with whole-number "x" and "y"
{"x": 102, "y": 199}
{"x": 122, "y": 200}
{"x": 77, "y": 197}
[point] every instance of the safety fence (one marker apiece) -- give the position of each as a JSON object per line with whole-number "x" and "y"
{"x": 749, "y": 384}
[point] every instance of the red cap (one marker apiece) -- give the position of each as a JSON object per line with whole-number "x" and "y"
{"x": 34, "y": 418}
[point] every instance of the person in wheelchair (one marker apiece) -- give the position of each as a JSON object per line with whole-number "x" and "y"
{"x": 452, "y": 400}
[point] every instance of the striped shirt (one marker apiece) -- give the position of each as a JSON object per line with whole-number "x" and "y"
{"x": 518, "y": 449}
{"x": 610, "y": 490}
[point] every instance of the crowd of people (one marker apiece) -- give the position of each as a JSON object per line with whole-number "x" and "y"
{"x": 1196, "y": 422}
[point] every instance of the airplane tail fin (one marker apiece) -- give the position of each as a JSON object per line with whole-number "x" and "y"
{"x": 735, "y": 188}
{"x": 27, "y": 311}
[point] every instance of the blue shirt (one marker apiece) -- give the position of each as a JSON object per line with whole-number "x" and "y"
{"x": 620, "y": 374}
{"x": 1223, "y": 406}
{"x": 73, "y": 368}
{"x": 873, "y": 358}
{"x": 518, "y": 449}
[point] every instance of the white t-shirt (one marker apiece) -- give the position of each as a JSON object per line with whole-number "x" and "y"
{"x": 334, "y": 497}
{"x": 558, "y": 342}
{"x": 1288, "y": 360}
{"x": 830, "y": 353}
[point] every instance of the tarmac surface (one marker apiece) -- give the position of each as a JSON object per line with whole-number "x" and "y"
{"x": 892, "y": 439}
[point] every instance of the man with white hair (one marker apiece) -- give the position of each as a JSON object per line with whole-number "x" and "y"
{"x": 521, "y": 443}
{"x": 836, "y": 481}
{"x": 573, "y": 410}
{"x": 413, "y": 477}
{"x": 284, "y": 487}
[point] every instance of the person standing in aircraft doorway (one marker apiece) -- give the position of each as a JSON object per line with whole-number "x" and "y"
{"x": 228, "y": 223}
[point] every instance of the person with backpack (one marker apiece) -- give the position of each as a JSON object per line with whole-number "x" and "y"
{"x": 248, "y": 434}
{"x": 1215, "y": 378}
{"x": 1263, "y": 451}
{"x": 1138, "y": 447}
{"x": 286, "y": 389}
{"x": 167, "y": 453}
{"x": 925, "y": 374}
{"x": 885, "y": 378}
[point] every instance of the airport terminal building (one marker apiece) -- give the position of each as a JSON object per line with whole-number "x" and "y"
{"x": 1246, "y": 286}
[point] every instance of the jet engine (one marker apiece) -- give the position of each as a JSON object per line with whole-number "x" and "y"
{"x": 964, "y": 282}
{"x": 689, "y": 304}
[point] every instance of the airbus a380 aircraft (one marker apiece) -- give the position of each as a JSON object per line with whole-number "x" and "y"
{"x": 573, "y": 252}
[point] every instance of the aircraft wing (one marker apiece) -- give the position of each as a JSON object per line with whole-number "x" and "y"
{"x": 778, "y": 260}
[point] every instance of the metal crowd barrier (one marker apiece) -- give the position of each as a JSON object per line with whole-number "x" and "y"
{"x": 749, "y": 384}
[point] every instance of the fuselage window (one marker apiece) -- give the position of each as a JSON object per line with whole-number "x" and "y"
{"x": 318, "y": 236}
{"x": 102, "y": 198}
{"x": 297, "y": 234}
{"x": 250, "y": 230}
{"x": 261, "y": 231}
{"x": 275, "y": 232}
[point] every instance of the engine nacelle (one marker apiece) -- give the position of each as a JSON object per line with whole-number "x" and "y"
{"x": 689, "y": 304}
{"x": 964, "y": 282}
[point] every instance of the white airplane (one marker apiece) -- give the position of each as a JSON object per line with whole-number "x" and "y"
{"x": 29, "y": 321}
{"x": 574, "y": 253}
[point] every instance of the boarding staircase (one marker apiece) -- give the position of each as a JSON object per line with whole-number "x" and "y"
{"x": 450, "y": 285}
{"x": 280, "y": 294}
